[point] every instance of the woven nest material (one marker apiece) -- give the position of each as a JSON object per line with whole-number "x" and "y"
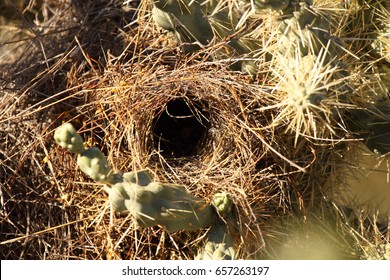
{"x": 194, "y": 127}
{"x": 130, "y": 92}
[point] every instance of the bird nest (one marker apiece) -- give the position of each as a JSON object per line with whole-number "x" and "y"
{"x": 188, "y": 119}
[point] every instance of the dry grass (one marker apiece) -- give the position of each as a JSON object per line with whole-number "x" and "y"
{"x": 124, "y": 86}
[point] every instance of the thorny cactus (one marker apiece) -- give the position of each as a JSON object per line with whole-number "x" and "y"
{"x": 307, "y": 32}
{"x": 161, "y": 204}
{"x": 198, "y": 23}
{"x": 150, "y": 203}
{"x": 219, "y": 244}
{"x": 91, "y": 161}
{"x": 381, "y": 44}
{"x": 271, "y": 4}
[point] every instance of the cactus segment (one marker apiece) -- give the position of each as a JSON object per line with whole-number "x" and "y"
{"x": 160, "y": 204}
{"x": 141, "y": 178}
{"x": 91, "y": 161}
{"x": 163, "y": 19}
{"x": 303, "y": 94}
{"x": 307, "y": 32}
{"x": 271, "y": 4}
{"x": 67, "y": 137}
{"x": 223, "y": 203}
{"x": 94, "y": 164}
{"x": 219, "y": 245}
{"x": 186, "y": 19}
{"x": 118, "y": 196}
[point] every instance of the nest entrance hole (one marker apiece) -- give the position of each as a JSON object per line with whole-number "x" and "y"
{"x": 181, "y": 128}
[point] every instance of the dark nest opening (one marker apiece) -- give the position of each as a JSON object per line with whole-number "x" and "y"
{"x": 180, "y": 129}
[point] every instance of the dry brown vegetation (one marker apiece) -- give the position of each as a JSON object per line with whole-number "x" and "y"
{"x": 106, "y": 68}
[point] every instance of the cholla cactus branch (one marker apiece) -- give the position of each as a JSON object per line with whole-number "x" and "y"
{"x": 93, "y": 163}
{"x": 150, "y": 203}
{"x": 271, "y": 4}
{"x": 67, "y": 137}
{"x": 219, "y": 244}
{"x": 160, "y": 204}
{"x": 223, "y": 203}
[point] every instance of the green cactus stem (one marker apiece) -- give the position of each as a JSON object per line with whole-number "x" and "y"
{"x": 223, "y": 203}
{"x": 94, "y": 164}
{"x": 220, "y": 243}
{"x": 150, "y": 203}
{"x": 271, "y": 4}
{"x": 91, "y": 161}
{"x": 160, "y": 204}
{"x": 307, "y": 32}
{"x": 196, "y": 24}
{"x": 67, "y": 137}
